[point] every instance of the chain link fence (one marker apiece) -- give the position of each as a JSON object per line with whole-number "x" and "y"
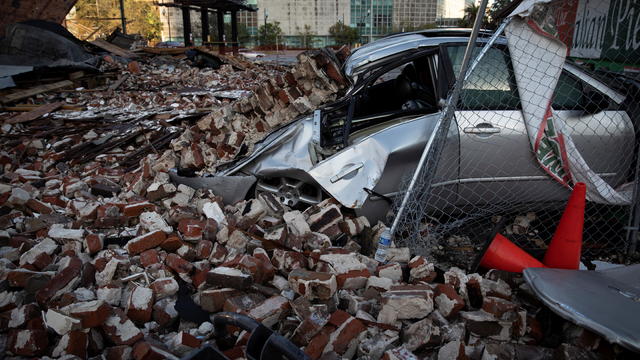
{"x": 518, "y": 131}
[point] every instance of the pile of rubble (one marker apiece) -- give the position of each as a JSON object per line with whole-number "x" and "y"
{"x": 87, "y": 273}
{"x": 101, "y": 256}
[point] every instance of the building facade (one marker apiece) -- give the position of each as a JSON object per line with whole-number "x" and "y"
{"x": 303, "y": 19}
{"x": 372, "y": 18}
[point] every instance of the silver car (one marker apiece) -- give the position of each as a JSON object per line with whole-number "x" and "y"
{"x": 360, "y": 148}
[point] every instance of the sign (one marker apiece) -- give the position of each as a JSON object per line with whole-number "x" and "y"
{"x": 601, "y": 29}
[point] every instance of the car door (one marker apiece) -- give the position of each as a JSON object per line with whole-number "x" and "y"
{"x": 497, "y": 164}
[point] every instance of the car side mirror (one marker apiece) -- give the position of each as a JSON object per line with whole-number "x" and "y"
{"x": 595, "y": 102}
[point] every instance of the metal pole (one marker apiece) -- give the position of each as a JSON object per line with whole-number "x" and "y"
{"x": 371, "y": 21}
{"x": 122, "y": 18}
{"x": 634, "y": 218}
{"x": 453, "y": 99}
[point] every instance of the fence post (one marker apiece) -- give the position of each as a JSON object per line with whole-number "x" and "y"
{"x": 447, "y": 112}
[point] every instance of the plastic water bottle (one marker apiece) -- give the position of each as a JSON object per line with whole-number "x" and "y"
{"x": 383, "y": 244}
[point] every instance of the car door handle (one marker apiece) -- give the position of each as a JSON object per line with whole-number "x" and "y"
{"x": 348, "y": 169}
{"x": 482, "y": 128}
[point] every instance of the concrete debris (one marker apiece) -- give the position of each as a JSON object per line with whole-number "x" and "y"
{"x": 101, "y": 256}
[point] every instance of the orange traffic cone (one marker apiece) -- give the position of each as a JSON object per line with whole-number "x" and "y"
{"x": 502, "y": 254}
{"x": 566, "y": 246}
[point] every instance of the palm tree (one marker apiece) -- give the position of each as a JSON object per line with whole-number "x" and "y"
{"x": 470, "y": 13}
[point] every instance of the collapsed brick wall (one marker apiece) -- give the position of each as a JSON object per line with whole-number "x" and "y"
{"x": 95, "y": 261}
{"x": 233, "y": 129}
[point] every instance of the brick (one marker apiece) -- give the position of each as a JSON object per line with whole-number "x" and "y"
{"x": 27, "y": 342}
{"x": 145, "y": 351}
{"x": 228, "y": 277}
{"x": 73, "y": 343}
{"x": 93, "y": 243}
{"x": 421, "y": 270}
{"x": 39, "y": 206}
{"x": 91, "y": 313}
{"x": 287, "y": 261}
{"x": 420, "y": 334}
{"x": 313, "y": 285}
{"x": 164, "y": 287}
{"x": 178, "y": 264}
{"x": 149, "y": 257}
{"x": 447, "y": 300}
{"x": 68, "y": 272}
{"x": 405, "y": 302}
{"x": 137, "y": 208}
{"x": 164, "y": 312}
{"x": 497, "y": 306}
{"x": 39, "y": 255}
{"x": 191, "y": 229}
{"x": 391, "y": 271}
{"x": 243, "y": 302}
{"x": 144, "y": 242}
{"x": 354, "y": 279}
{"x": 213, "y": 300}
{"x": 140, "y": 304}
{"x": 184, "y": 342}
{"x": 270, "y": 311}
{"x": 120, "y": 330}
{"x": 344, "y": 339}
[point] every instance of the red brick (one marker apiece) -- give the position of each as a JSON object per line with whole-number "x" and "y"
{"x": 140, "y": 304}
{"x": 135, "y": 209}
{"x": 38, "y": 206}
{"x": 33, "y": 342}
{"x": 91, "y": 313}
{"x": 93, "y": 243}
{"x": 60, "y": 280}
{"x": 144, "y": 242}
{"x": 191, "y": 229}
{"x": 178, "y": 264}
{"x": 149, "y": 257}
{"x": 144, "y": 351}
{"x": 172, "y": 243}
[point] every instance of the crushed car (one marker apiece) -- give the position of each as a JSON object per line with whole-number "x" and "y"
{"x": 360, "y": 148}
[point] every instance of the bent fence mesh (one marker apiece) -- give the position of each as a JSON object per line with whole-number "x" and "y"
{"x": 481, "y": 166}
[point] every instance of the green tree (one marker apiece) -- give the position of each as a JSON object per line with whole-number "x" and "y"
{"x": 142, "y": 18}
{"x": 306, "y": 36}
{"x": 268, "y": 34}
{"x": 343, "y": 34}
{"x": 470, "y": 13}
{"x": 243, "y": 33}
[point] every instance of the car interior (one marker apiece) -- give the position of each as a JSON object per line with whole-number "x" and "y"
{"x": 393, "y": 92}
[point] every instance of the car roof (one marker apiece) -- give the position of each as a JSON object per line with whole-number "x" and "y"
{"x": 398, "y": 43}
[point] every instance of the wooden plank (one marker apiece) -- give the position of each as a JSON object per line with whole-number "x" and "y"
{"x": 29, "y": 107}
{"x": 18, "y": 95}
{"x": 116, "y": 50}
{"x": 118, "y": 82}
{"x": 35, "y": 113}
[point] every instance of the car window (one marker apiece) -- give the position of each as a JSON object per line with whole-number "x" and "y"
{"x": 406, "y": 87}
{"x": 568, "y": 93}
{"x": 491, "y": 85}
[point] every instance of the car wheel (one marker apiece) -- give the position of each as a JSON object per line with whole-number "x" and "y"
{"x": 294, "y": 193}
